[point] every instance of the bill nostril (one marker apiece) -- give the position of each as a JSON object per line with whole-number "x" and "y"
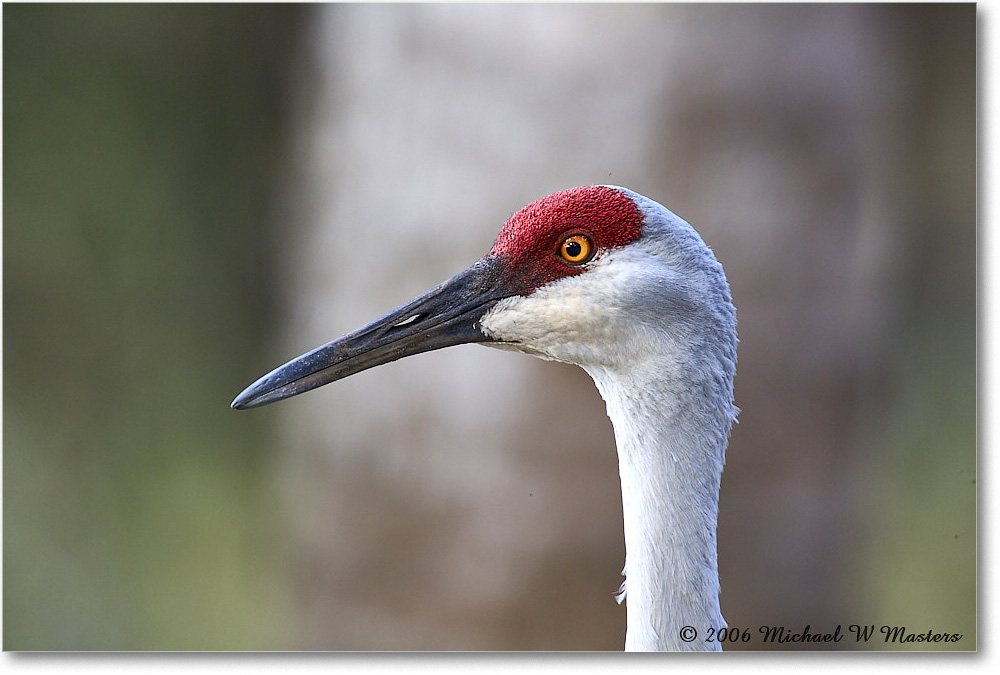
{"x": 409, "y": 320}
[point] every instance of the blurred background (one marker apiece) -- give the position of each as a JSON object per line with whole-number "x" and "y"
{"x": 194, "y": 194}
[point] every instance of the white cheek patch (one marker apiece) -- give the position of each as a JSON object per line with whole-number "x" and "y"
{"x": 573, "y": 319}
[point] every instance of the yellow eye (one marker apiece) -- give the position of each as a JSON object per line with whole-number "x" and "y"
{"x": 576, "y": 249}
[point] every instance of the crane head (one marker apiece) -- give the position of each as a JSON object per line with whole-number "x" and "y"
{"x": 586, "y": 276}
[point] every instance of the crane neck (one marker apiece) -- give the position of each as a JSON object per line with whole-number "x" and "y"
{"x": 671, "y": 442}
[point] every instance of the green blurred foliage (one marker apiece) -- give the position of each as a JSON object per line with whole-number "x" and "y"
{"x": 140, "y": 144}
{"x": 920, "y": 567}
{"x": 920, "y": 560}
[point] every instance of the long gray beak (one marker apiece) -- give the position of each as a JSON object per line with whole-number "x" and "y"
{"x": 446, "y": 315}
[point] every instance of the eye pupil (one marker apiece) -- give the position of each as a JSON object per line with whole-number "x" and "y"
{"x": 573, "y": 249}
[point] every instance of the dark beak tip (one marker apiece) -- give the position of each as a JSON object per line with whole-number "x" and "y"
{"x": 247, "y": 399}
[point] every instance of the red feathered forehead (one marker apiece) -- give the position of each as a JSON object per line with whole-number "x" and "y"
{"x": 608, "y": 214}
{"x": 529, "y": 241}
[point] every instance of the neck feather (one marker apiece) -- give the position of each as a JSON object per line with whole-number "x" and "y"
{"x": 671, "y": 450}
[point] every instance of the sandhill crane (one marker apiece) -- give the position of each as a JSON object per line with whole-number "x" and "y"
{"x": 611, "y": 281}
